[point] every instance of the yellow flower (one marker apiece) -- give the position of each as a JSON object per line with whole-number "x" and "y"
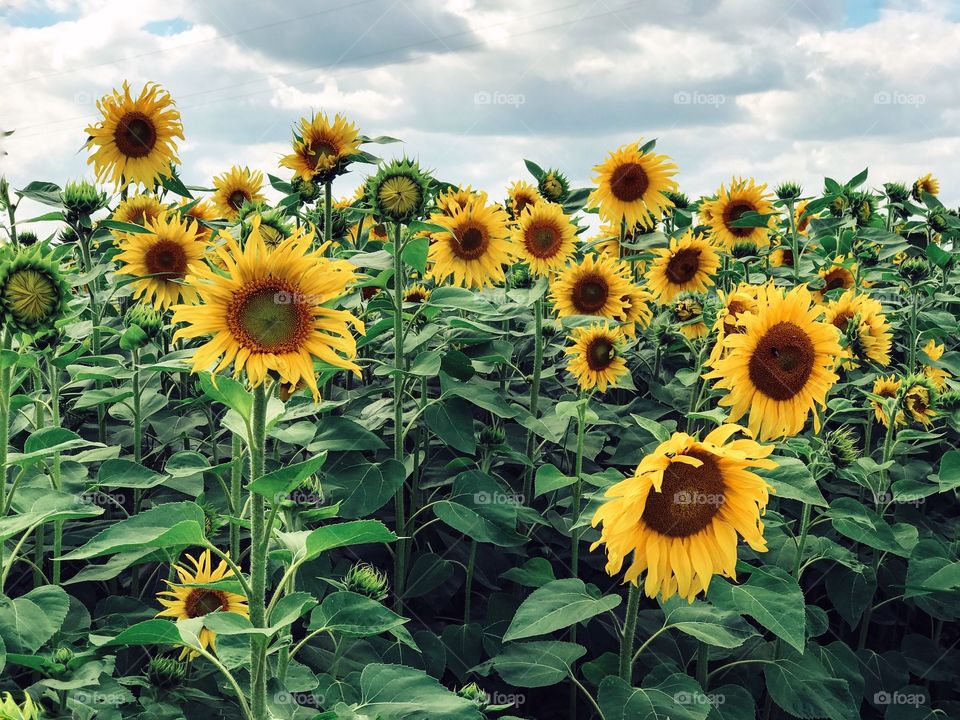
{"x": 598, "y": 286}
{"x": 861, "y": 315}
{"x": 926, "y": 184}
{"x": 687, "y": 312}
{"x": 801, "y": 220}
{"x": 839, "y": 275}
{"x": 688, "y": 265}
{"x": 730, "y": 205}
{"x": 137, "y": 210}
{"x": 236, "y": 188}
{"x": 476, "y": 246}
{"x": 594, "y": 357}
{"x": 937, "y": 376}
{"x": 781, "y": 366}
{"x": 521, "y": 195}
{"x": 544, "y": 238}
{"x": 183, "y": 602}
{"x": 886, "y": 387}
{"x": 197, "y": 213}
{"x": 134, "y": 141}
{"x": 320, "y": 148}
{"x": 636, "y": 310}
{"x": 631, "y": 186}
{"x": 933, "y": 351}
{"x": 416, "y": 293}
{"x": 735, "y": 305}
{"x": 682, "y": 510}
{"x": 267, "y": 312}
{"x": 919, "y": 400}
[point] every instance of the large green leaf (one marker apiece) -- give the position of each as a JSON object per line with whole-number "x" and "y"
{"x": 353, "y": 615}
{"x": 451, "y": 420}
{"x": 277, "y": 484}
{"x": 534, "y": 664}
{"x": 803, "y": 687}
{"x": 308, "y": 544}
{"x": 793, "y": 480}
{"x": 676, "y": 698}
{"x": 28, "y": 621}
{"x": 851, "y": 519}
{"x": 712, "y": 625}
{"x": 363, "y": 489}
{"x": 557, "y": 605}
{"x": 396, "y": 692}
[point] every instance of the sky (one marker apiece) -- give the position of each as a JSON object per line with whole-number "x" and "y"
{"x": 775, "y": 89}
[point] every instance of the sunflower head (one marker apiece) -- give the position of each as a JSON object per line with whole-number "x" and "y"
{"x": 732, "y": 206}
{"x": 272, "y": 228}
{"x": 632, "y": 186}
{"x": 137, "y": 210}
{"x": 322, "y": 149}
{"x": 366, "y": 579}
{"x": 839, "y": 275}
{"x": 416, "y": 293}
{"x": 680, "y": 513}
{"x": 678, "y": 199}
{"x": 10, "y": 710}
{"x": 887, "y": 389}
{"x": 919, "y": 399}
{"x": 33, "y": 291}
{"x": 475, "y": 246}
{"x": 861, "y": 321}
{"x": 687, "y": 315}
{"x": 595, "y": 286}
{"x": 553, "y": 186}
{"x": 27, "y": 238}
{"x": 81, "y": 199}
{"x": 914, "y": 269}
{"x": 147, "y": 318}
{"x": 521, "y": 195}
{"x": 781, "y": 257}
{"x": 927, "y": 184}
{"x": 475, "y": 694}
{"x": 841, "y": 446}
{"x": 135, "y": 140}
{"x": 689, "y": 264}
{"x": 399, "y": 192}
{"x": 198, "y": 213}
{"x": 166, "y": 673}
{"x": 236, "y": 188}
{"x": 788, "y": 191}
{"x": 544, "y": 238}
{"x": 595, "y": 357}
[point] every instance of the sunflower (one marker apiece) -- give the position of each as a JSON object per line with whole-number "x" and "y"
{"x": 919, "y": 399}
{"x": 33, "y": 291}
{"x": 378, "y": 232}
{"x": 520, "y": 195}
{"x": 183, "y": 602}
{"x": 321, "y": 149}
{"x": 743, "y": 196}
{"x": 631, "y": 186}
{"x": 198, "y": 213}
{"x": 544, "y": 238}
{"x": 801, "y": 219}
{"x": 10, "y": 710}
{"x": 272, "y": 229}
{"x": 138, "y": 210}
{"x": 236, "y": 188}
{"x": 268, "y": 310}
{"x": 416, "y": 293}
{"x": 598, "y": 286}
{"x": 475, "y": 246}
{"x": 937, "y": 376}
{"x": 636, "y": 311}
{"x": 161, "y": 259}
{"x": 734, "y": 306}
{"x": 780, "y": 366}
{"x": 134, "y": 141}
{"x": 595, "y": 360}
{"x": 459, "y": 197}
{"x": 682, "y": 509}
{"x": 933, "y": 351}
{"x": 839, "y": 275}
{"x": 886, "y": 387}
{"x": 553, "y": 186}
{"x": 926, "y": 184}
{"x": 688, "y": 265}
{"x": 398, "y": 192}
{"x": 687, "y": 312}
{"x": 861, "y": 319}
{"x": 781, "y": 256}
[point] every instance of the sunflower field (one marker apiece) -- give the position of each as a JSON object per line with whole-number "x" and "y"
{"x": 433, "y": 452}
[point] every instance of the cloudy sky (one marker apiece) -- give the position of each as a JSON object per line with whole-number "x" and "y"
{"x": 778, "y": 89}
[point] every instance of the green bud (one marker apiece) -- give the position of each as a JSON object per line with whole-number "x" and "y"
{"x": 365, "y": 579}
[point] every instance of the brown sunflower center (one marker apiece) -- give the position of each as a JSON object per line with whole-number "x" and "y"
{"x": 590, "y": 294}
{"x": 683, "y": 266}
{"x": 688, "y": 499}
{"x": 469, "y": 243}
{"x": 842, "y": 320}
{"x": 600, "y": 353}
{"x": 323, "y": 148}
{"x": 166, "y": 258}
{"x": 782, "y": 362}
{"x": 136, "y": 135}
{"x": 733, "y": 212}
{"x": 786, "y": 257}
{"x": 203, "y": 602}
{"x": 837, "y": 278}
{"x": 629, "y": 182}
{"x": 735, "y": 308}
{"x": 270, "y": 316}
{"x": 543, "y": 241}
{"x": 521, "y": 202}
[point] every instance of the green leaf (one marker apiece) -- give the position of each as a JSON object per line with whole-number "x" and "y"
{"x": 534, "y": 664}
{"x": 328, "y": 537}
{"x": 396, "y": 692}
{"x": 676, "y": 698}
{"x": 148, "y": 632}
{"x": 655, "y": 428}
{"x": 127, "y": 474}
{"x": 793, "y": 480}
{"x": 229, "y": 392}
{"x": 557, "y": 605}
{"x": 535, "y": 572}
{"x": 172, "y": 527}
{"x": 451, "y": 420}
{"x": 853, "y": 520}
{"x": 414, "y": 253}
{"x": 353, "y": 615}
{"x": 534, "y": 169}
{"x": 771, "y": 597}
{"x": 804, "y": 688}
{"x": 28, "y": 621}
{"x": 948, "y": 476}
{"x": 365, "y": 488}
{"x": 46, "y": 442}
{"x": 337, "y": 433}
{"x": 277, "y": 485}
{"x": 549, "y": 478}
{"x": 712, "y": 625}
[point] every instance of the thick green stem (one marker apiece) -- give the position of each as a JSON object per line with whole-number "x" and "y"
{"x": 794, "y": 243}
{"x": 5, "y": 379}
{"x": 703, "y": 663}
{"x": 534, "y": 394}
{"x": 258, "y": 559}
{"x": 577, "y": 495}
{"x": 236, "y": 490}
{"x": 912, "y": 346}
{"x": 400, "y": 554}
{"x": 468, "y": 584}
{"x": 327, "y": 211}
{"x": 53, "y": 384}
{"x": 629, "y": 632}
{"x": 804, "y": 529}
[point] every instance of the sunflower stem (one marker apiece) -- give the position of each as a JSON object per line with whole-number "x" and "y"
{"x": 236, "y": 489}
{"x": 534, "y": 394}
{"x": 53, "y": 386}
{"x": 468, "y": 584}
{"x": 629, "y": 633}
{"x": 328, "y": 211}
{"x": 703, "y": 662}
{"x": 6, "y": 368}
{"x": 794, "y": 242}
{"x": 258, "y": 558}
{"x": 400, "y": 556}
{"x": 912, "y": 347}
{"x": 804, "y": 529}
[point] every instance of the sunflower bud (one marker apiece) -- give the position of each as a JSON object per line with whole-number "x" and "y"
{"x": 491, "y": 436}
{"x": 27, "y": 238}
{"x": 896, "y": 192}
{"x": 306, "y": 189}
{"x": 743, "y": 249}
{"x": 33, "y": 291}
{"x": 399, "y": 192}
{"x": 81, "y": 199}
{"x": 842, "y": 447}
{"x": 553, "y": 186}
{"x": 862, "y": 207}
{"x": 914, "y": 270}
{"x": 165, "y": 673}
{"x": 788, "y": 191}
{"x": 839, "y": 205}
{"x": 920, "y": 400}
{"x": 62, "y": 655}
{"x": 308, "y": 494}
{"x": 475, "y": 694}
{"x": 937, "y": 220}
{"x": 679, "y": 200}
{"x": 365, "y": 579}
{"x": 147, "y": 318}
{"x": 949, "y": 401}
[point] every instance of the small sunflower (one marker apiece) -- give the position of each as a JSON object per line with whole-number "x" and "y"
{"x": 926, "y": 184}
{"x": 459, "y": 197}
{"x": 161, "y": 259}
{"x": 198, "y": 213}
{"x": 10, "y": 710}
{"x": 399, "y": 192}
{"x": 134, "y": 142}
{"x": 886, "y": 387}
{"x": 33, "y": 291}
{"x": 598, "y": 286}
{"x": 681, "y": 511}
{"x": 631, "y": 186}
{"x": 476, "y": 246}
{"x": 687, "y": 313}
{"x": 937, "y": 376}
{"x": 321, "y": 149}
{"x": 137, "y": 210}
{"x": 781, "y": 256}
{"x": 933, "y": 350}
{"x": 735, "y": 305}
{"x": 268, "y": 310}
{"x": 636, "y": 311}
{"x": 236, "y": 188}
{"x": 781, "y": 366}
{"x": 920, "y": 399}
{"x": 838, "y": 276}
{"x": 730, "y": 205}
{"x": 595, "y": 359}
{"x": 801, "y": 219}
{"x": 520, "y": 195}
{"x": 860, "y": 318}
{"x": 183, "y": 602}
{"x": 688, "y": 265}
{"x": 378, "y": 232}
{"x": 544, "y": 238}
{"x": 416, "y": 293}
{"x": 553, "y": 186}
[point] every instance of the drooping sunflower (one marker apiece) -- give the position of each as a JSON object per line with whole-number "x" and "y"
{"x": 544, "y": 238}
{"x": 595, "y": 359}
{"x": 734, "y": 306}
{"x": 182, "y": 602}
{"x": 273, "y": 230}
{"x": 681, "y": 511}
{"x": 161, "y": 259}
{"x": 801, "y": 219}
{"x": 838, "y": 275}
{"x": 687, "y": 265}
{"x": 520, "y": 195}
{"x": 926, "y": 184}
{"x": 10, "y": 710}
{"x": 198, "y": 213}
{"x": 730, "y": 205}
{"x": 886, "y": 387}
{"x": 459, "y": 197}
{"x": 937, "y": 376}
{"x": 781, "y": 366}
{"x": 636, "y": 311}
{"x": 631, "y": 186}
{"x": 399, "y": 192}
{"x": 476, "y": 246}
{"x": 267, "y": 311}
{"x": 687, "y": 313}
{"x": 598, "y": 285}
{"x": 235, "y": 188}
{"x": 134, "y": 142}
{"x": 860, "y": 318}
{"x": 920, "y": 399}
{"x": 321, "y": 149}
{"x": 933, "y": 350}
{"x": 416, "y": 293}
{"x": 33, "y": 290}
